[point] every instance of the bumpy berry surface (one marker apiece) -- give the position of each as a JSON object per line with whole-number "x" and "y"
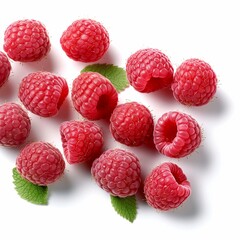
{"x": 176, "y": 134}
{"x": 43, "y": 93}
{"x": 117, "y": 172}
{"x": 26, "y": 41}
{"x": 82, "y": 141}
{"x": 85, "y": 40}
{"x": 166, "y": 187}
{"x": 40, "y": 163}
{"x": 131, "y": 124}
{"x": 149, "y": 70}
{"x": 94, "y": 96}
{"x": 5, "y": 68}
{"x": 195, "y": 83}
{"x": 15, "y": 125}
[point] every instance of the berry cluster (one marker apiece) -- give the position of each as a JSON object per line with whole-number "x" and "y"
{"x": 117, "y": 171}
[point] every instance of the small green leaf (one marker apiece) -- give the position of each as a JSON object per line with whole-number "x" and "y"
{"x": 29, "y": 191}
{"x": 125, "y": 207}
{"x": 115, "y": 74}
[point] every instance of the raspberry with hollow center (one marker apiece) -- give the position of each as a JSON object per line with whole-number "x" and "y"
{"x": 43, "y": 93}
{"x": 40, "y": 163}
{"x": 94, "y": 96}
{"x": 166, "y": 187}
{"x": 195, "y": 83}
{"x": 26, "y": 41}
{"x": 117, "y": 172}
{"x": 5, "y": 68}
{"x": 176, "y": 134}
{"x": 149, "y": 70}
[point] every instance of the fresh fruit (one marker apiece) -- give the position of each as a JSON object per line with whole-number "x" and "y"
{"x": 117, "y": 172}
{"x": 5, "y": 68}
{"x": 195, "y": 83}
{"x": 176, "y": 134}
{"x": 149, "y": 70}
{"x": 93, "y": 96}
{"x": 166, "y": 187}
{"x": 15, "y": 125}
{"x": 43, "y": 93}
{"x": 40, "y": 163}
{"x": 82, "y": 141}
{"x": 26, "y": 41}
{"x": 131, "y": 124}
{"x": 85, "y": 40}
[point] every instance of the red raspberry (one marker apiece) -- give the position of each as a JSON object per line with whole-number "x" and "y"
{"x": 15, "y": 125}
{"x": 166, "y": 187}
{"x": 149, "y": 70}
{"x": 5, "y": 68}
{"x": 195, "y": 83}
{"x": 176, "y": 134}
{"x": 94, "y": 96}
{"x": 82, "y": 141}
{"x": 43, "y": 93}
{"x": 131, "y": 124}
{"x": 117, "y": 172}
{"x": 40, "y": 163}
{"x": 85, "y": 40}
{"x": 26, "y": 41}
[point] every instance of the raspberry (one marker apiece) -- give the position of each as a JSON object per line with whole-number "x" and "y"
{"x": 15, "y": 125}
{"x": 40, "y": 163}
{"x": 117, "y": 172}
{"x": 166, "y": 187}
{"x": 5, "y": 68}
{"x": 131, "y": 124}
{"x": 43, "y": 93}
{"x": 82, "y": 141}
{"x": 94, "y": 96}
{"x": 176, "y": 134}
{"x": 194, "y": 83}
{"x": 26, "y": 41}
{"x": 149, "y": 70}
{"x": 85, "y": 40}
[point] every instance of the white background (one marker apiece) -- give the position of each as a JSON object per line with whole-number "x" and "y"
{"x": 78, "y": 208}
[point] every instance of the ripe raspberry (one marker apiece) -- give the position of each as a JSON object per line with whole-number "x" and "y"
{"x": 85, "y": 40}
{"x": 5, "y": 68}
{"x": 176, "y": 134}
{"x": 131, "y": 124}
{"x": 26, "y": 41}
{"x": 94, "y": 96}
{"x": 43, "y": 93}
{"x": 194, "y": 83}
{"x": 117, "y": 172}
{"x": 15, "y": 125}
{"x": 40, "y": 163}
{"x": 82, "y": 141}
{"x": 149, "y": 70}
{"x": 166, "y": 187}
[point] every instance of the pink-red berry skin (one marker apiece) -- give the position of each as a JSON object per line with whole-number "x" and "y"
{"x": 94, "y": 96}
{"x": 5, "y": 68}
{"x": 166, "y": 187}
{"x": 26, "y": 41}
{"x": 40, "y": 163}
{"x": 149, "y": 70}
{"x": 15, "y": 125}
{"x": 43, "y": 93}
{"x": 195, "y": 83}
{"x": 118, "y": 172}
{"x": 176, "y": 134}
{"x": 85, "y": 40}
{"x": 81, "y": 140}
{"x": 131, "y": 124}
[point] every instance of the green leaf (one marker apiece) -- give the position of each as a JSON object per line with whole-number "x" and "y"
{"x": 125, "y": 207}
{"x": 115, "y": 74}
{"x": 29, "y": 191}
